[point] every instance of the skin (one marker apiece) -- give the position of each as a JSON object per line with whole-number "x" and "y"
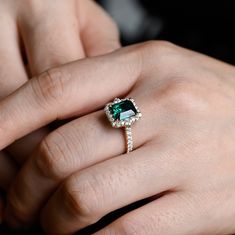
{"x": 37, "y": 35}
{"x": 184, "y": 144}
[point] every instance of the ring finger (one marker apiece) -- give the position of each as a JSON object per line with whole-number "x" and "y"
{"x": 75, "y": 146}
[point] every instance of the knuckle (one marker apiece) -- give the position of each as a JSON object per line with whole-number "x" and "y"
{"x": 52, "y": 157}
{"x": 49, "y": 87}
{"x": 181, "y": 97}
{"x": 158, "y": 48}
{"x": 34, "y": 8}
{"x": 167, "y": 55}
{"x": 81, "y": 199}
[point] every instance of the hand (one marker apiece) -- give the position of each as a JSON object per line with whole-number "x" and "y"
{"x": 184, "y": 144}
{"x": 38, "y": 35}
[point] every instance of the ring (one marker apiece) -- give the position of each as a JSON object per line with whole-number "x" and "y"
{"x": 122, "y": 113}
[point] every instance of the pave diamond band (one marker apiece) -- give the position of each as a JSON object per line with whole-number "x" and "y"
{"x": 129, "y": 139}
{"x": 122, "y": 113}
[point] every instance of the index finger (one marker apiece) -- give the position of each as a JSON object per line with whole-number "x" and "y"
{"x": 67, "y": 91}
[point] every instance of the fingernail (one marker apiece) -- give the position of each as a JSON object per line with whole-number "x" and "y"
{"x": 12, "y": 221}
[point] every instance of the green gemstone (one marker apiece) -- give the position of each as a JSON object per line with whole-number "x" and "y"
{"x": 123, "y": 110}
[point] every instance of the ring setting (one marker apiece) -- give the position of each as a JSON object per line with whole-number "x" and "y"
{"x": 123, "y": 113}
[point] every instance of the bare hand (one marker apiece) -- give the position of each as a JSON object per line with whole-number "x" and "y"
{"x": 184, "y": 144}
{"x": 37, "y": 35}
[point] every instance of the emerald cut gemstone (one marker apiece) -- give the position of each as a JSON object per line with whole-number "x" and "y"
{"x": 123, "y": 110}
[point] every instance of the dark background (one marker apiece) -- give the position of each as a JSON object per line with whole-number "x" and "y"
{"x": 207, "y": 28}
{"x": 192, "y": 26}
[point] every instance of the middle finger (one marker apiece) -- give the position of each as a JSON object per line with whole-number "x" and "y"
{"x": 50, "y": 32}
{"x": 50, "y": 39}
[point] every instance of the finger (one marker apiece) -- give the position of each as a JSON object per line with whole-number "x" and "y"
{"x": 51, "y": 35}
{"x": 12, "y": 76}
{"x": 12, "y": 71}
{"x": 22, "y": 149}
{"x": 50, "y": 39}
{"x": 67, "y": 150}
{"x": 99, "y": 33}
{"x": 171, "y": 214}
{"x": 61, "y": 93}
{"x": 8, "y": 170}
{"x": 89, "y": 195}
